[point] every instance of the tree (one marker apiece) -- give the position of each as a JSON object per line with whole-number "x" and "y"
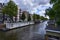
{"x": 56, "y": 8}
{"x": 41, "y": 17}
{"x": 36, "y": 17}
{"x": 23, "y": 16}
{"x": 29, "y": 17}
{"x": 51, "y": 13}
{"x": 10, "y": 9}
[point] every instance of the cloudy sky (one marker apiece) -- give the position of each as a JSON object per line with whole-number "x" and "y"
{"x": 33, "y": 6}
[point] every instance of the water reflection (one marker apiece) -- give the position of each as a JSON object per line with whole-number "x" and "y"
{"x": 32, "y": 32}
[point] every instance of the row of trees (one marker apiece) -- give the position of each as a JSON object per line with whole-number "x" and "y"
{"x": 34, "y": 17}
{"x": 38, "y": 17}
{"x": 23, "y": 17}
{"x": 11, "y": 10}
{"x": 54, "y": 12}
{"x": 43, "y": 18}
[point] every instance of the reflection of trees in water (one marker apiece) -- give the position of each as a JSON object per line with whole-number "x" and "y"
{"x": 2, "y": 35}
{"x": 11, "y": 37}
{"x": 26, "y": 33}
{"x": 8, "y": 36}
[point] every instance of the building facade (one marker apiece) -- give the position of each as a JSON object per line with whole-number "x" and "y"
{"x": 1, "y": 15}
{"x": 17, "y": 18}
{"x": 19, "y": 14}
{"x": 27, "y": 14}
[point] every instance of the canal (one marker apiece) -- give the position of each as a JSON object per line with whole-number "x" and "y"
{"x": 32, "y": 32}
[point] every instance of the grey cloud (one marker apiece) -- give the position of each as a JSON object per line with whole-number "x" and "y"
{"x": 29, "y": 5}
{"x": 40, "y": 2}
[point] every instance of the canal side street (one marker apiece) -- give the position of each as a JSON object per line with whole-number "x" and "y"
{"x": 29, "y": 20}
{"x": 31, "y": 32}
{"x": 17, "y": 17}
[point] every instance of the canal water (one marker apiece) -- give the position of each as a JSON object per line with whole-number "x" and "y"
{"x": 32, "y": 32}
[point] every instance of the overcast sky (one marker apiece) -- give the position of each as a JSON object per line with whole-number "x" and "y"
{"x": 33, "y": 6}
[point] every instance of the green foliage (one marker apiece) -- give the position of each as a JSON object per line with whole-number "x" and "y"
{"x": 52, "y": 1}
{"x": 23, "y": 16}
{"x": 29, "y": 17}
{"x": 36, "y": 17}
{"x": 42, "y": 18}
{"x": 51, "y": 13}
{"x": 58, "y": 22}
{"x": 10, "y": 9}
{"x": 45, "y": 18}
{"x": 56, "y": 8}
